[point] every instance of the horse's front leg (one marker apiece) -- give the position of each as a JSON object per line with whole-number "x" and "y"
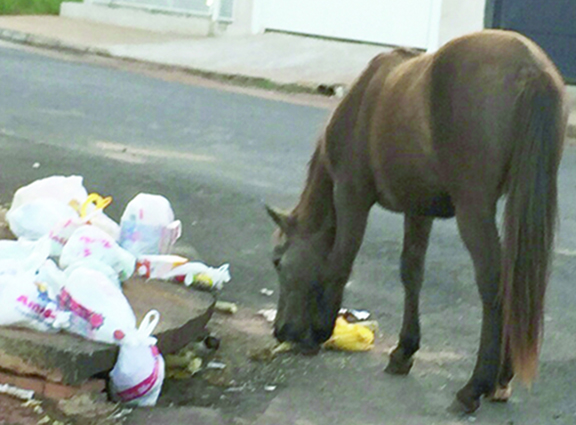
{"x": 480, "y": 235}
{"x": 352, "y": 206}
{"x": 416, "y": 235}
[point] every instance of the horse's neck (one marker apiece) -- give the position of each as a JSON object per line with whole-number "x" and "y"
{"x": 315, "y": 211}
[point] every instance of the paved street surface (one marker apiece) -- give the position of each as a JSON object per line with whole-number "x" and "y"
{"x": 216, "y": 155}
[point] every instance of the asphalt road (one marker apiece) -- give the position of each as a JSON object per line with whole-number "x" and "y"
{"x": 216, "y": 155}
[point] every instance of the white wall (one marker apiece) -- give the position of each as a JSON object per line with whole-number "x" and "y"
{"x": 393, "y": 22}
{"x": 459, "y": 17}
{"x": 425, "y": 24}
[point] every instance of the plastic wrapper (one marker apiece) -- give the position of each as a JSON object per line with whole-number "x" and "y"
{"x": 350, "y": 337}
{"x": 200, "y": 275}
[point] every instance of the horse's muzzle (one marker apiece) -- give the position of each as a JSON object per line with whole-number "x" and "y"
{"x": 305, "y": 341}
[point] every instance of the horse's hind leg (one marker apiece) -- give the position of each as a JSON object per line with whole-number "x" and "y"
{"x": 416, "y": 236}
{"x": 480, "y": 235}
{"x": 503, "y": 389}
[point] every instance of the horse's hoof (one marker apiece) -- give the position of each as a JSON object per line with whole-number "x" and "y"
{"x": 501, "y": 394}
{"x": 398, "y": 367}
{"x": 464, "y": 403}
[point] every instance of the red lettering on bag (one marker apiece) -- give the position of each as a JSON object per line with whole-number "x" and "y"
{"x": 96, "y": 320}
{"x": 36, "y": 307}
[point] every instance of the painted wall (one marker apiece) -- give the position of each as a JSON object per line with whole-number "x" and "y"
{"x": 424, "y": 24}
{"x": 459, "y": 17}
{"x": 391, "y": 22}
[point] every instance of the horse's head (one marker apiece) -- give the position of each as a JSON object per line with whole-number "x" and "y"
{"x": 308, "y": 303}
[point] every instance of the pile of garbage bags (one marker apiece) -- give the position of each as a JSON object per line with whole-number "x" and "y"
{"x": 66, "y": 269}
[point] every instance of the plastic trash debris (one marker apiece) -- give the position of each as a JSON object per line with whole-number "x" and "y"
{"x": 91, "y": 242}
{"x": 25, "y": 302}
{"x": 137, "y": 376}
{"x": 99, "y": 310}
{"x": 52, "y": 277}
{"x": 183, "y": 365}
{"x": 350, "y": 337}
{"x": 147, "y": 226}
{"x": 66, "y": 190}
{"x": 16, "y": 250}
{"x": 226, "y": 307}
{"x": 16, "y": 392}
{"x": 216, "y": 365}
{"x": 200, "y": 275}
{"x": 269, "y": 314}
{"x": 37, "y": 218}
{"x": 158, "y": 266}
{"x": 27, "y": 256}
{"x": 92, "y": 211}
{"x": 94, "y": 264}
{"x": 352, "y": 315}
{"x": 267, "y": 292}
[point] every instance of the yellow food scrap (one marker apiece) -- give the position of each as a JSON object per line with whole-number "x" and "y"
{"x": 350, "y": 337}
{"x": 283, "y": 347}
{"x": 203, "y": 280}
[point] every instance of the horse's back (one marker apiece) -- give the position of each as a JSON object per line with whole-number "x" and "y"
{"x": 475, "y": 84}
{"x": 417, "y": 128}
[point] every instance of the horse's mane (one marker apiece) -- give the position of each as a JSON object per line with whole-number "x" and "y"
{"x": 315, "y": 205}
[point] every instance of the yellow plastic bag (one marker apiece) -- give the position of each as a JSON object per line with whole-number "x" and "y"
{"x": 350, "y": 337}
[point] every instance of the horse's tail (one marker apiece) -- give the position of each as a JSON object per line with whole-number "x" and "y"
{"x": 530, "y": 218}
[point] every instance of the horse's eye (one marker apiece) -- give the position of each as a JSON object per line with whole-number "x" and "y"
{"x": 276, "y": 261}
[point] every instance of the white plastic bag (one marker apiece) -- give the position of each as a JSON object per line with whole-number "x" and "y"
{"x": 147, "y": 226}
{"x": 15, "y": 250}
{"x": 93, "y": 243}
{"x": 94, "y": 264}
{"x": 138, "y": 374}
{"x": 25, "y": 302}
{"x": 27, "y": 257}
{"x": 37, "y": 218}
{"x": 66, "y": 190}
{"x": 90, "y": 212}
{"x": 200, "y": 275}
{"x": 99, "y": 310}
{"x": 52, "y": 277}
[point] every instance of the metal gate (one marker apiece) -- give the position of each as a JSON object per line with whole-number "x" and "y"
{"x": 550, "y": 23}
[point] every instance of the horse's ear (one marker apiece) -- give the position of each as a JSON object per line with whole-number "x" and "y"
{"x": 279, "y": 217}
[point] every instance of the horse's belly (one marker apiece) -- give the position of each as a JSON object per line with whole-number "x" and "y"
{"x": 411, "y": 184}
{"x": 440, "y": 206}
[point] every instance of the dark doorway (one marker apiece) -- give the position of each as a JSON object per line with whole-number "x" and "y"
{"x": 550, "y": 23}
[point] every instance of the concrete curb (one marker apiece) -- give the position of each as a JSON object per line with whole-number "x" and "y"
{"x": 236, "y": 79}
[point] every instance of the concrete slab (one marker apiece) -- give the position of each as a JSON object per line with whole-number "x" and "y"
{"x": 81, "y": 33}
{"x": 72, "y": 360}
{"x": 175, "y": 415}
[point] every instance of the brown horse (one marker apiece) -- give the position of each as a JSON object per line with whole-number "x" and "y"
{"x": 436, "y": 135}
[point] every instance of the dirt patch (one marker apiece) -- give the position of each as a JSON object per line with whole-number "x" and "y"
{"x": 13, "y": 412}
{"x": 249, "y": 378}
